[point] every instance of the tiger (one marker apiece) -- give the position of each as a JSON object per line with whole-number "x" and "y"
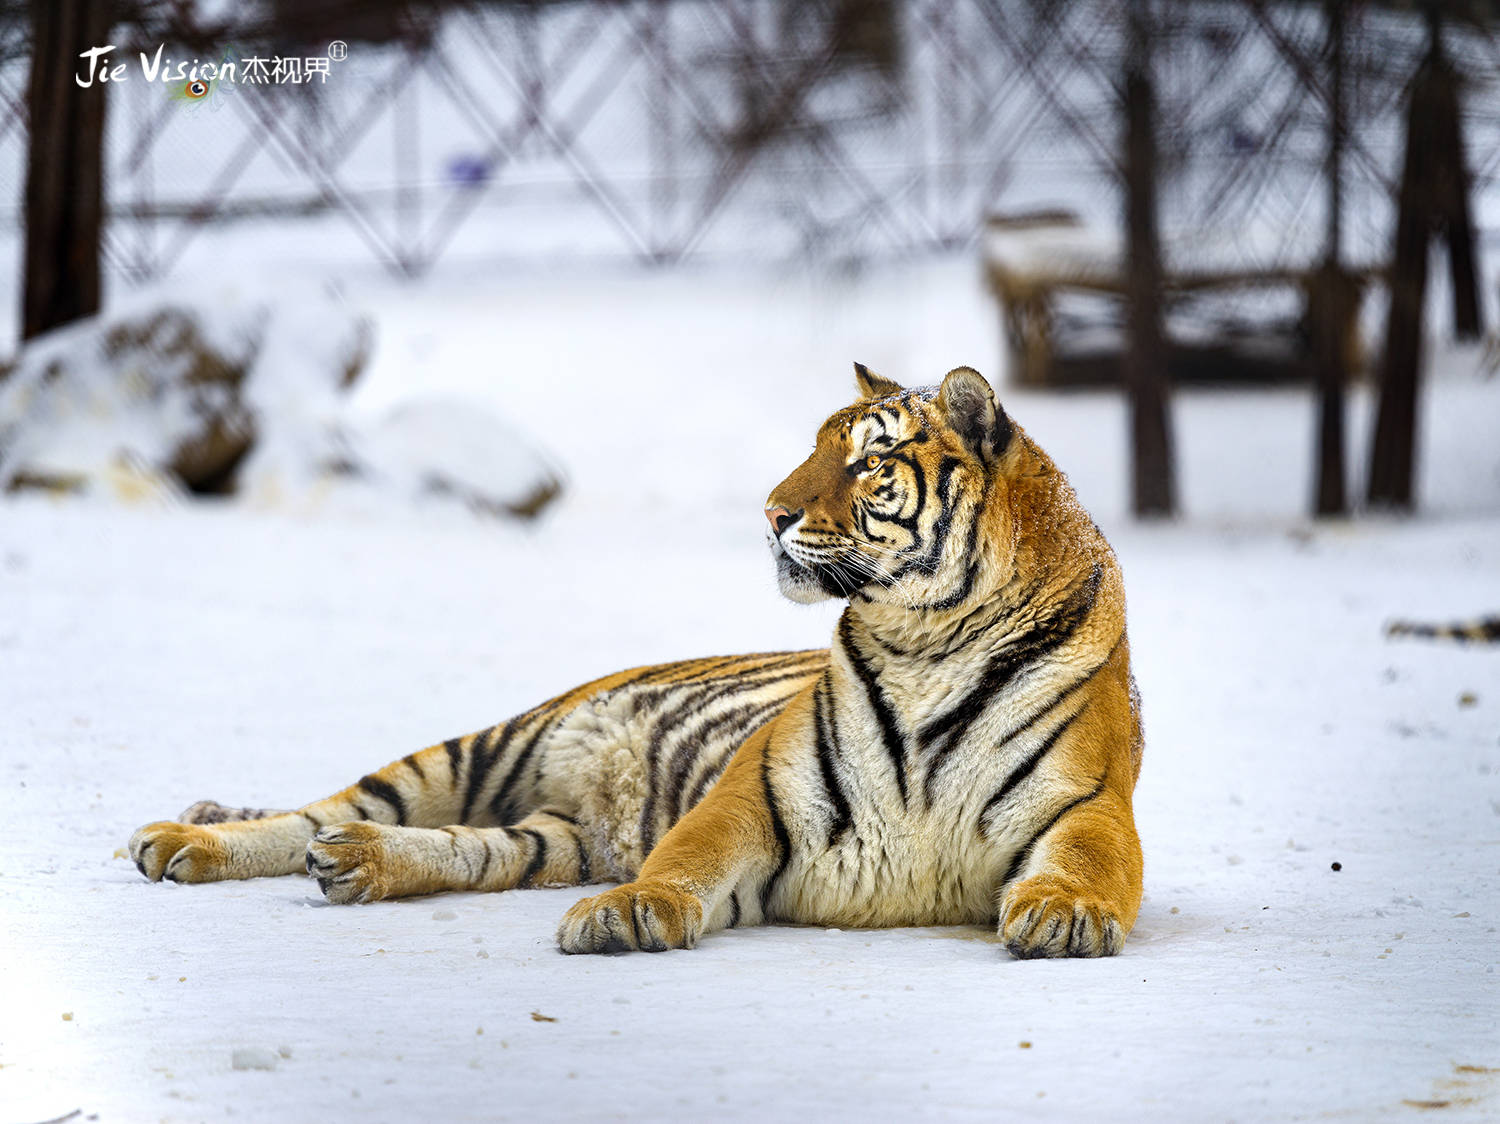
{"x": 1481, "y": 630}
{"x": 965, "y": 751}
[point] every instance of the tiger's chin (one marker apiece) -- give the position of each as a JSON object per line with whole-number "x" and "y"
{"x": 797, "y": 582}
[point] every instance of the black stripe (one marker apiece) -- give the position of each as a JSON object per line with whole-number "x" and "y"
{"x": 709, "y": 665}
{"x": 1028, "y": 766}
{"x": 944, "y": 732}
{"x": 538, "y": 855}
{"x": 1025, "y": 852}
{"x": 318, "y": 824}
{"x": 734, "y": 909}
{"x": 1042, "y": 711}
{"x": 974, "y": 624}
{"x": 585, "y": 868}
{"x": 455, "y": 750}
{"x": 544, "y": 719}
{"x": 453, "y": 845}
{"x": 484, "y": 867}
{"x": 411, "y": 762}
{"x": 713, "y": 772}
{"x": 928, "y": 563}
{"x": 690, "y": 748}
{"x": 971, "y": 572}
{"x": 694, "y": 698}
{"x": 827, "y": 746}
{"x": 364, "y": 813}
{"x": 500, "y": 803}
{"x": 484, "y": 751}
{"x": 1004, "y": 430}
{"x": 891, "y": 649}
{"x": 558, "y": 816}
{"x": 895, "y": 744}
{"x": 783, "y": 840}
{"x": 718, "y": 667}
{"x": 386, "y": 791}
{"x": 688, "y": 697}
{"x": 733, "y": 738}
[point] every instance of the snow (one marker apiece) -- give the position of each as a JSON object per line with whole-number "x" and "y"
{"x": 150, "y": 657}
{"x": 123, "y": 391}
{"x": 109, "y": 404}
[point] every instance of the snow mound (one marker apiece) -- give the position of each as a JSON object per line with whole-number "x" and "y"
{"x": 451, "y": 446}
{"x": 228, "y": 393}
{"x": 146, "y": 400}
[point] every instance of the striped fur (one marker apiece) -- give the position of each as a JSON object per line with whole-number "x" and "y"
{"x": 964, "y": 752}
{"x": 1482, "y": 630}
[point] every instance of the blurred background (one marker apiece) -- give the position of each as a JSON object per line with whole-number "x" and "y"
{"x": 1216, "y": 250}
{"x": 371, "y": 370}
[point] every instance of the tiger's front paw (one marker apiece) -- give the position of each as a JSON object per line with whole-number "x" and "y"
{"x": 352, "y": 863}
{"x": 1043, "y": 917}
{"x": 179, "y": 853}
{"x": 649, "y": 916}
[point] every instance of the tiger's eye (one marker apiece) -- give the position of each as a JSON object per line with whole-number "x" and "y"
{"x": 872, "y": 462}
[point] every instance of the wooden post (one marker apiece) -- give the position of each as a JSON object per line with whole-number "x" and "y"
{"x": 1152, "y": 485}
{"x": 1393, "y": 452}
{"x": 1329, "y": 295}
{"x": 1451, "y": 197}
{"x": 64, "y": 172}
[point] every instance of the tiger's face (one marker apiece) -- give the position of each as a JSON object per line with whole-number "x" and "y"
{"x": 888, "y": 506}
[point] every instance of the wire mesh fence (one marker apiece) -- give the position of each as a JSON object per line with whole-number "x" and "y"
{"x": 663, "y": 131}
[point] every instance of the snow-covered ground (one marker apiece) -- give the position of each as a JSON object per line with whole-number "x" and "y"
{"x": 151, "y": 657}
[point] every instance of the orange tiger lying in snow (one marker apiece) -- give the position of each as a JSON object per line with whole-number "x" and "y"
{"x": 965, "y": 751}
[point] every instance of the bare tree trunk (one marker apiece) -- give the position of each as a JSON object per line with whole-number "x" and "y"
{"x": 1152, "y": 484}
{"x": 64, "y": 173}
{"x": 1330, "y": 298}
{"x": 1451, "y": 201}
{"x": 1393, "y": 453}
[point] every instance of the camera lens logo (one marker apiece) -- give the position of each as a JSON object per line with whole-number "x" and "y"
{"x": 196, "y": 89}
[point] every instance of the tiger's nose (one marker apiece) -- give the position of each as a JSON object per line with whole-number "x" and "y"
{"x": 780, "y": 519}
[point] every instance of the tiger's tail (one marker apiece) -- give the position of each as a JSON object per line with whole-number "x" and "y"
{"x": 1483, "y": 630}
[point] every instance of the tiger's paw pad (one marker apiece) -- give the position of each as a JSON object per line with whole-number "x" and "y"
{"x": 350, "y": 862}
{"x": 650, "y": 917}
{"x": 1041, "y": 917}
{"x": 179, "y": 853}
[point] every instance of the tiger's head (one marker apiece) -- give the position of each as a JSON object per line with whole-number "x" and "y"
{"x": 896, "y": 504}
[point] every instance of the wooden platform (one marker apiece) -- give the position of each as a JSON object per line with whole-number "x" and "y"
{"x": 1060, "y": 258}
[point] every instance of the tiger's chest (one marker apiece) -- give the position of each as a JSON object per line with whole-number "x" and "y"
{"x": 923, "y": 841}
{"x": 891, "y": 873}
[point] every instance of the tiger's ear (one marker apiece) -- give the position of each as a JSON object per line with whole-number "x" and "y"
{"x": 872, "y": 385}
{"x": 968, "y": 403}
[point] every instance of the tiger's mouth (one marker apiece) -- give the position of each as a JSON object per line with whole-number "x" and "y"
{"x": 802, "y": 583}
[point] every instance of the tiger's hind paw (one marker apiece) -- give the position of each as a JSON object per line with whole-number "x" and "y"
{"x": 650, "y": 917}
{"x": 211, "y": 811}
{"x": 1043, "y": 918}
{"x": 179, "y": 853}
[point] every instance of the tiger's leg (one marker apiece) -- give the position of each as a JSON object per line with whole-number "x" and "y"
{"x": 366, "y": 862}
{"x": 1075, "y": 889}
{"x": 453, "y": 782}
{"x": 710, "y": 871}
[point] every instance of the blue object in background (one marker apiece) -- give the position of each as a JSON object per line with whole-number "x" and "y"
{"x": 468, "y": 170}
